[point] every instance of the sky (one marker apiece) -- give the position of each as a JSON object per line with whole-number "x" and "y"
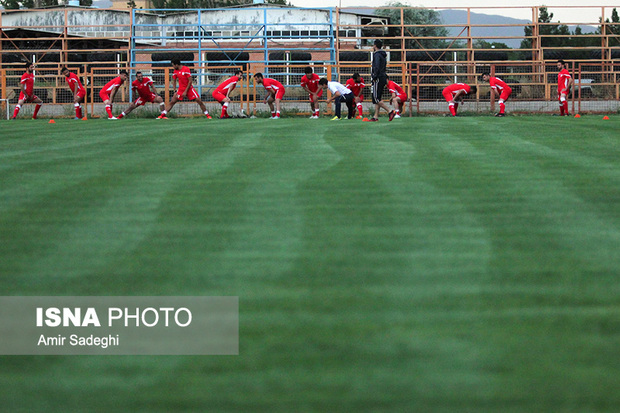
{"x": 571, "y": 14}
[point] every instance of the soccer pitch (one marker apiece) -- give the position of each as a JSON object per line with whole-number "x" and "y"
{"x": 422, "y": 265}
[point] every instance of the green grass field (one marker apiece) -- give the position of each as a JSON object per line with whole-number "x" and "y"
{"x": 425, "y": 265}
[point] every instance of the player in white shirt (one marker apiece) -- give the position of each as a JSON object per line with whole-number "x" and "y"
{"x": 340, "y": 93}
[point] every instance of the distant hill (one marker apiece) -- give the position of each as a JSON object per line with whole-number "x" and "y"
{"x": 460, "y": 17}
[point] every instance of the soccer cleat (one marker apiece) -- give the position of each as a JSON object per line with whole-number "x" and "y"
{"x": 500, "y": 115}
{"x": 391, "y": 115}
{"x": 335, "y": 118}
{"x": 209, "y": 116}
{"x": 358, "y": 117}
{"x": 397, "y": 116}
{"x": 162, "y": 116}
{"x": 312, "y": 117}
{"x": 113, "y": 118}
{"x": 373, "y": 120}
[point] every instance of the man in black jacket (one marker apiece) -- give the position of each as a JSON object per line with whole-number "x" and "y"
{"x": 379, "y": 79}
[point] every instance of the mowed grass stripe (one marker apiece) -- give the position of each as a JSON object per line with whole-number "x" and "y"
{"x": 380, "y": 268}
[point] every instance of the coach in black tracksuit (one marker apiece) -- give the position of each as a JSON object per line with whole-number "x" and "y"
{"x": 379, "y": 79}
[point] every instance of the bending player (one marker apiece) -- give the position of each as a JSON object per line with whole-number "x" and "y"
{"x": 500, "y": 89}
{"x": 26, "y": 95}
{"x": 310, "y": 83}
{"x": 339, "y": 94}
{"x": 356, "y": 84}
{"x": 565, "y": 83}
{"x": 222, "y": 92}
{"x": 145, "y": 89}
{"x": 78, "y": 90}
{"x": 108, "y": 93}
{"x": 399, "y": 97}
{"x": 455, "y": 93}
{"x": 186, "y": 89}
{"x": 275, "y": 91}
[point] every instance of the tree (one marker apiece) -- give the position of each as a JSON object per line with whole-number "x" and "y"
{"x": 615, "y": 29}
{"x": 483, "y": 44}
{"x": 10, "y": 4}
{"x": 416, "y": 17}
{"x": 546, "y": 30}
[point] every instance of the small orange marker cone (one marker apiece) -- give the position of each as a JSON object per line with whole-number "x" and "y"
{"x": 365, "y": 120}
{"x": 84, "y": 118}
{"x": 51, "y": 121}
{"x": 578, "y": 116}
{"x": 605, "y": 117}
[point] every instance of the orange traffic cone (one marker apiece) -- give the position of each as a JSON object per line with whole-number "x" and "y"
{"x": 605, "y": 117}
{"x": 51, "y": 121}
{"x": 84, "y": 118}
{"x": 578, "y": 116}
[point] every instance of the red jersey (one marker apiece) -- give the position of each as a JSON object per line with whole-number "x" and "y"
{"x": 356, "y": 87}
{"x": 28, "y": 80}
{"x": 498, "y": 84}
{"x": 227, "y": 86}
{"x": 272, "y": 85}
{"x": 457, "y": 87}
{"x": 74, "y": 83}
{"x": 183, "y": 75}
{"x": 394, "y": 87}
{"x": 563, "y": 79}
{"x": 143, "y": 88}
{"x": 114, "y": 83}
{"x": 312, "y": 82}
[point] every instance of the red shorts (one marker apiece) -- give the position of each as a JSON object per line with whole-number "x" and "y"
{"x": 81, "y": 93}
{"x": 505, "y": 94}
{"x": 104, "y": 96}
{"x": 141, "y": 101}
{"x": 219, "y": 96}
{"x": 402, "y": 97}
{"x": 447, "y": 95}
{"x": 191, "y": 94}
{"x": 360, "y": 98}
{"x": 280, "y": 93}
{"x": 318, "y": 95}
{"x": 26, "y": 99}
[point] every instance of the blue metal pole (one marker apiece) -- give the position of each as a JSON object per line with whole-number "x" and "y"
{"x": 199, "y": 31}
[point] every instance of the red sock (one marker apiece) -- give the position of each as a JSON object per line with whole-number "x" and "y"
{"x": 224, "y": 113}
{"x": 78, "y": 113}
{"x": 108, "y": 109}
{"x": 502, "y": 107}
{"x": 565, "y": 107}
{"x": 359, "y": 109}
{"x": 16, "y": 111}
{"x": 277, "y": 114}
{"x": 36, "y": 110}
{"x": 452, "y": 110}
{"x": 120, "y": 116}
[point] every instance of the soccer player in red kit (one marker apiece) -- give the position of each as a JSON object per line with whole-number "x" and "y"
{"x": 500, "y": 89}
{"x": 27, "y": 92}
{"x": 78, "y": 90}
{"x": 108, "y": 93}
{"x": 310, "y": 83}
{"x": 399, "y": 97}
{"x": 145, "y": 89}
{"x": 222, "y": 92}
{"x": 356, "y": 84}
{"x": 565, "y": 83}
{"x": 276, "y": 93}
{"x": 455, "y": 94}
{"x": 186, "y": 89}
